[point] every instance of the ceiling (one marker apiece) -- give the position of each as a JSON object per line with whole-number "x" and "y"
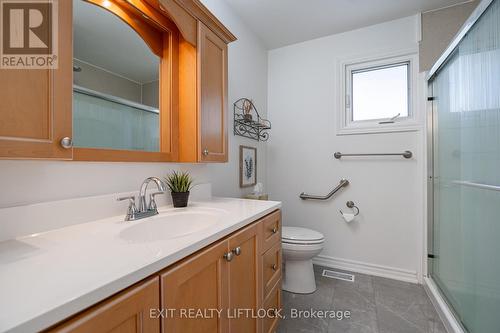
{"x": 104, "y": 40}
{"x": 283, "y": 22}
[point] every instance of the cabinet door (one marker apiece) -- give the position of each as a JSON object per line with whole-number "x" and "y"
{"x": 35, "y": 104}
{"x": 129, "y": 311}
{"x": 271, "y": 267}
{"x": 244, "y": 280}
{"x": 195, "y": 290}
{"x": 212, "y": 85}
{"x": 272, "y": 305}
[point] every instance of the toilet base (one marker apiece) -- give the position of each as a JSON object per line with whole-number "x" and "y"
{"x": 299, "y": 277}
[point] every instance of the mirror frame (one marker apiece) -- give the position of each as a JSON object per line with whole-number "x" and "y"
{"x": 162, "y": 36}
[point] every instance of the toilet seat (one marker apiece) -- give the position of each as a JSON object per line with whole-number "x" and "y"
{"x": 300, "y": 246}
{"x": 301, "y": 236}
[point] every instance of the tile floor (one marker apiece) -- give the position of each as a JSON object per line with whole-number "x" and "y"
{"x": 377, "y": 305}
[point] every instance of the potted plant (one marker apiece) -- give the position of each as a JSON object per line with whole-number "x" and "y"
{"x": 247, "y": 110}
{"x": 180, "y": 183}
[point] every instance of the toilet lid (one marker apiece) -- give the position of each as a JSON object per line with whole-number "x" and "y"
{"x": 301, "y": 235}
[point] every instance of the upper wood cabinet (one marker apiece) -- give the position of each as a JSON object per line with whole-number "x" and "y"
{"x": 203, "y": 116}
{"x": 36, "y": 104}
{"x": 212, "y": 58}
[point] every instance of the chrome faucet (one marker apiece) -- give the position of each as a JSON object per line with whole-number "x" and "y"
{"x": 142, "y": 193}
{"x": 144, "y": 210}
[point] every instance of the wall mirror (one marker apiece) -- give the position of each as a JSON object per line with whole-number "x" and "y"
{"x": 115, "y": 83}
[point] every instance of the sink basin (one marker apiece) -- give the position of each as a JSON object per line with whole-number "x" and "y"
{"x": 170, "y": 225}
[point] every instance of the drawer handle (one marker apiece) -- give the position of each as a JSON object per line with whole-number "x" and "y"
{"x": 229, "y": 256}
{"x": 274, "y": 230}
{"x": 237, "y": 251}
{"x": 274, "y": 267}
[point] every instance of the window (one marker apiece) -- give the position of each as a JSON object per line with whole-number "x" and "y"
{"x": 377, "y": 96}
{"x": 380, "y": 93}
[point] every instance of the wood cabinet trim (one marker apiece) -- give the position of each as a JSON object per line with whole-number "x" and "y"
{"x": 198, "y": 10}
{"x": 185, "y": 22}
{"x": 125, "y": 12}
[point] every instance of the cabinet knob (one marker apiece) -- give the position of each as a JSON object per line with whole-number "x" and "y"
{"x": 274, "y": 267}
{"x": 229, "y": 256}
{"x": 66, "y": 142}
{"x": 237, "y": 251}
{"x": 205, "y": 151}
{"x": 274, "y": 230}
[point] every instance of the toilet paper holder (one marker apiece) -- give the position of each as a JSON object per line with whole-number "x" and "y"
{"x": 352, "y": 205}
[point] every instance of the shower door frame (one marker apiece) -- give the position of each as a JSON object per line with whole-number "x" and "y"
{"x": 432, "y": 129}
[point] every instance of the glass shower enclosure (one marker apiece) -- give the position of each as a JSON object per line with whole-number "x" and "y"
{"x": 464, "y": 245}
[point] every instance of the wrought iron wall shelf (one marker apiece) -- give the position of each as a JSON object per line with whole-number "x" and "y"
{"x": 247, "y": 121}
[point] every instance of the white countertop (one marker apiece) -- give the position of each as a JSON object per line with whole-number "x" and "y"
{"x": 46, "y": 277}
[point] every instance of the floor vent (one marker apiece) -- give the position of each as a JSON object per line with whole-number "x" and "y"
{"x": 338, "y": 275}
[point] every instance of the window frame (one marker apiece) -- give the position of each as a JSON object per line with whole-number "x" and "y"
{"x": 346, "y": 124}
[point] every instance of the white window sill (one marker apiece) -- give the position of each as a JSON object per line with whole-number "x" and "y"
{"x": 372, "y": 128}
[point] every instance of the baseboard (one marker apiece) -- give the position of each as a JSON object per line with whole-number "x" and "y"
{"x": 366, "y": 268}
{"x": 449, "y": 320}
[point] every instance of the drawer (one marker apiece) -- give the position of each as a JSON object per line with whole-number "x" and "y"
{"x": 273, "y": 301}
{"x": 271, "y": 230}
{"x": 271, "y": 267}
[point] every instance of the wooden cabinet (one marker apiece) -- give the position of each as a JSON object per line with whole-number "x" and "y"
{"x": 244, "y": 282}
{"x": 129, "y": 311}
{"x": 219, "y": 281}
{"x": 212, "y": 57}
{"x": 203, "y": 123}
{"x": 271, "y": 267}
{"x": 35, "y": 104}
{"x": 222, "y": 288}
{"x": 198, "y": 283}
{"x": 271, "y": 304}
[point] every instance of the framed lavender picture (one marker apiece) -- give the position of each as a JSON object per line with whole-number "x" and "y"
{"x": 248, "y": 166}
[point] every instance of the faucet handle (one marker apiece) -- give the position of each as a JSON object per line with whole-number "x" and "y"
{"x": 132, "y": 209}
{"x": 152, "y": 202}
{"x": 131, "y": 198}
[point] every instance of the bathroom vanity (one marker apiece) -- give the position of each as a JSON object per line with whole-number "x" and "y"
{"x": 221, "y": 257}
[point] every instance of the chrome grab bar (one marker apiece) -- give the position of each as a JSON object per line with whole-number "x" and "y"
{"x": 477, "y": 185}
{"x": 343, "y": 183}
{"x": 405, "y": 154}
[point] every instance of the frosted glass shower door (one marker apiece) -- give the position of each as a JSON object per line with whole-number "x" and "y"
{"x": 466, "y": 163}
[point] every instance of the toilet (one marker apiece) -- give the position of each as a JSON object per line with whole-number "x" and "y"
{"x": 300, "y": 245}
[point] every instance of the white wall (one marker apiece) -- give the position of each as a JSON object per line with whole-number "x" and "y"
{"x": 386, "y": 238}
{"x": 23, "y": 182}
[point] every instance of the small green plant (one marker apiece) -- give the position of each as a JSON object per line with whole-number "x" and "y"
{"x": 179, "y": 181}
